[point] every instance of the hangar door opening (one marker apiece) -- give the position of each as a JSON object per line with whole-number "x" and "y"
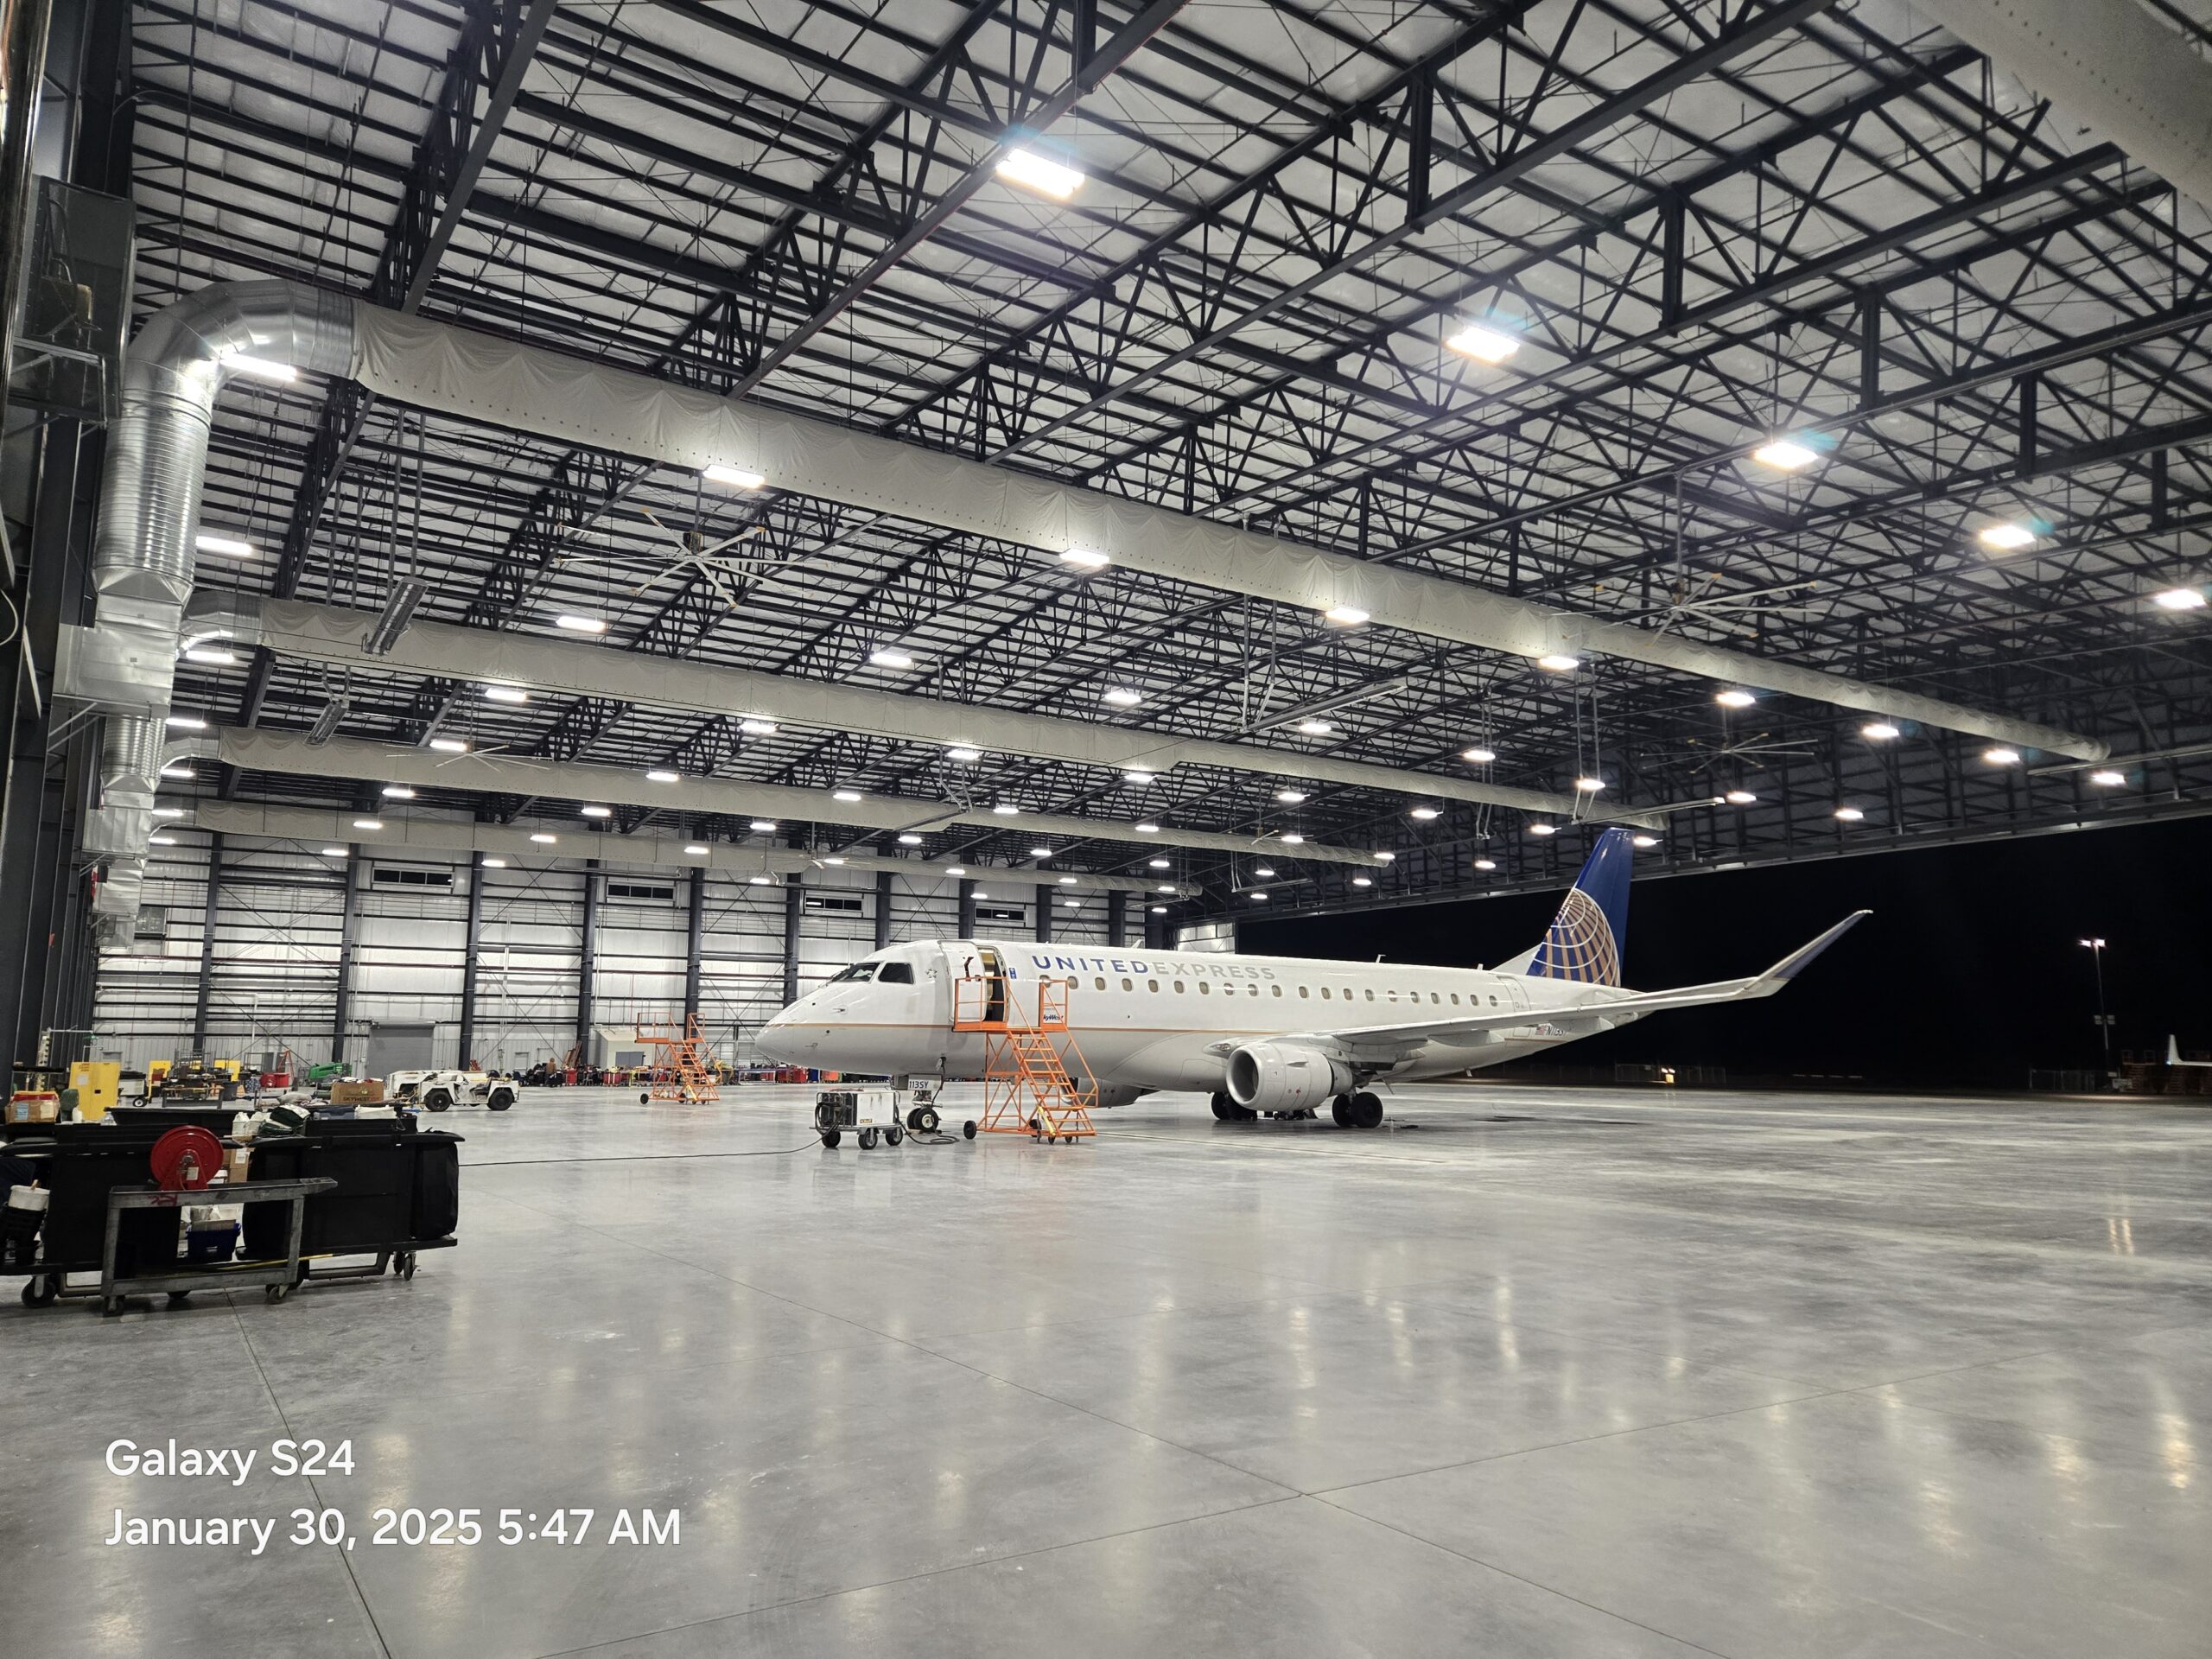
{"x": 399, "y": 1048}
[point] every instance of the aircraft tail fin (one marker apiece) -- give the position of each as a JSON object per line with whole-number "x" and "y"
{"x": 1587, "y": 939}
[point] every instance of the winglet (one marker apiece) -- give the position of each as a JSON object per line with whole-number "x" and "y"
{"x": 2173, "y": 1050}
{"x": 1803, "y": 957}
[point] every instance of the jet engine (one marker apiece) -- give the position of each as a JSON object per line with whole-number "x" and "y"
{"x": 1285, "y": 1077}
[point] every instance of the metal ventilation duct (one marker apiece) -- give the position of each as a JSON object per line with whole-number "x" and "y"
{"x": 2111, "y": 64}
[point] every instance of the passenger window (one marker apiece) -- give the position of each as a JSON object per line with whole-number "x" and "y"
{"x": 1177, "y": 985}
{"x": 1455, "y": 999}
{"x": 1390, "y": 996}
{"x": 1151, "y": 984}
{"x": 1098, "y": 984}
{"x": 1305, "y": 990}
{"x": 1128, "y": 985}
{"x": 1433, "y": 998}
{"x": 1370, "y": 993}
{"x": 1493, "y": 1002}
{"x": 1324, "y": 993}
{"x": 895, "y": 973}
{"x": 1205, "y": 989}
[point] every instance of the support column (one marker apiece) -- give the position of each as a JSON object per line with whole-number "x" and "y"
{"x": 471, "y": 954}
{"x": 794, "y": 907}
{"x": 205, "y": 998}
{"x": 882, "y": 908}
{"x": 1117, "y": 919}
{"x": 343, "y": 1006}
{"x": 587, "y": 961}
{"x": 967, "y": 910}
{"x": 1155, "y": 932}
{"x": 695, "y": 928}
{"x": 1044, "y": 913}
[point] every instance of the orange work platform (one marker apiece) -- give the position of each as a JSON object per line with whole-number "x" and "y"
{"x": 680, "y": 1070}
{"x": 1027, "y": 1088}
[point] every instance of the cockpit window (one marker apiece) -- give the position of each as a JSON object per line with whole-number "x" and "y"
{"x": 895, "y": 973}
{"x": 858, "y": 970}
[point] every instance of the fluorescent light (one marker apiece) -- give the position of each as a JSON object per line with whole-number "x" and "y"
{"x": 161, "y": 841}
{"x": 736, "y": 477}
{"x": 1164, "y": 887}
{"x": 1089, "y": 557}
{"x": 1315, "y": 728}
{"x": 1067, "y": 880}
{"x": 1290, "y": 837}
{"x": 2108, "y": 779}
{"x": 1035, "y": 172}
{"x": 757, "y": 727}
{"x": 1485, "y": 863}
{"x": 230, "y": 547}
{"x": 544, "y": 839}
{"x": 397, "y": 792}
{"x": 848, "y": 796}
{"x": 697, "y": 849}
{"x": 1646, "y": 841}
{"x": 833, "y": 861}
{"x": 663, "y": 775}
{"x": 1264, "y": 869}
{"x": 1257, "y": 893}
{"x": 506, "y": 694}
{"x": 2005, "y": 538}
{"x": 178, "y": 770}
{"x": 910, "y": 840}
{"x": 185, "y": 722}
{"x": 758, "y": 880}
{"x": 1007, "y": 809}
{"x": 261, "y": 368}
{"x": 1485, "y": 344}
{"x": 494, "y": 864}
{"x": 168, "y": 812}
{"x": 1363, "y": 881}
{"x": 1070, "y": 904}
{"x": 1290, "y": 797}
{"x": 1159, "y": 910}
{"x": 1785, "y": 454}
{"x": 1543, "y": 828}
{"x": 598, "y": 811}
{"x": 1141, "y": 777}
{"x": 1425, "y": 814}
{"x": 448, "y": 746}
{"x": 1734, "y": 699}
{"x": 890, "y": 657}
{"x": 1122, "y": 698}
{"x": 575, "y": 624}
{"x": 1479, "y": 755}
{"x": 1880, "y": 731}
{"x": 765, "y": 826}
{"x": 214, "y": 656}
{"x": 1589, "y": 786}
{"x": 1386, "y": 858}
{"x": 1344, "y": 616}
{"x": 1040, "y": 851}
{"x": 1738, "y": 797}
{"x": 1558, "y": 661}
{"x": 368, "y": 823}
{"x": 335, "y": 852}
{"x": 963, "y": 754}
{"x": 2178, "y": 599}
{"x": 1147, "y": 828}
{"x": 1157, "y": 864}
{"x": 2001, "y": 757}
{"x": 956, "y": 869}
{"x": 1850, "y": 814}
{"x": 979, "y": 893}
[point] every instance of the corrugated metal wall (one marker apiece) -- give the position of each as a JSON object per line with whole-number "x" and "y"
{"x": 274, "y": 980}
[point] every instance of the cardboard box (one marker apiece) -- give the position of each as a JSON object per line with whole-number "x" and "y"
{"x": 368, "y": 1091}
{"x": 34, "y": 1109}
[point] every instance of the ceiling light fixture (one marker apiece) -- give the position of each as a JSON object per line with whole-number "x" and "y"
{"x": 598, "y": 811}
{"x": 1484, "y": 345}
{"x": 1589, "y": 786}
{"x": 1880, "y": 731}
{"x": 1738, "y": 797}
{"x": 1067, "y": 880}
{"x": 757, "y": 881}
{"x": 2005, "y": 538}
{"x": 448, "y": 746}
{"x": 2107, "y": 779}
{"x": 1006, "y": 810}
{"x": 757, "y": 727}
{"x": 910, "y": 840}
{"x": 1147, "y": 828}
{"x": 1425, "y": 814}
{"x": 1734, "y": 699}
{"x": 1558, "y": 661}
{"x": 1290, "y": 797}
{"x": 1291, "y": 838}
{"x": 1040, "y": 851}
{"x": 1543, "y": 828}
{"x": 1090, "y": 558}
{"x": 737, "y": 478}
{"x": 850, "y": 797}
{"x": 1479, "y": 755}
{"x": 1363, "y": 881}
{"x": 956, "y": 869}
{"x": 336, "y": 852}
{"x": 1485, "y": 863}
{"x": 1850, "y": 814}
{"x": 1140, "y": 777}
{"x": 397, "y": 792}
{"x": 890, "y": 657}
{"x": 229, "y": 547}
{"x": 1034, "y": 172}
{"x": 1784, "y": 454}
{"x": 697, "y": 849}
{"x": 833, "y": 861}
{"x": 1315, "y": 728}
{"x": 663, "y": 775}
{"x": 1344, "y": 616}
{"x": 1122, "y": 698}
{"x": 398, "y": 610}
{"x": 2178, "y": 599}
{"x": 575, "y": 624}
{"x": 764, "y": 826}
{"x": 544, "y": 839}
{"x": 963, "y": 754}
{"x": 508, "y": 694}
{"x": 1159, "y": 910}
{"x": 2001, "y": 757}
{"x": 211, "y": 655}
{"x": 1644, "y": 840}
{"x": 1386, "y": 858}
{"x": 368, "y": 823}
{"x": 1157, "y": 864}
{"x": 1264, "y": 870}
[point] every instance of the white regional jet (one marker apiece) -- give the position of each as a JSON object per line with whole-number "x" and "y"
{"x": 1278, "y": 1035}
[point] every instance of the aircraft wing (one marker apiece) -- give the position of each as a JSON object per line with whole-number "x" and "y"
{"x": 1384, "y": 1041}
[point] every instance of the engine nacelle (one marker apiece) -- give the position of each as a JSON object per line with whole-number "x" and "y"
{"x": 1285, "y": 1077}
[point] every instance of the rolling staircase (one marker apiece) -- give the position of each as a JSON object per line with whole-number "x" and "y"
{"x": 1027, "y": 1088}
{"x": 680, "y": 1070}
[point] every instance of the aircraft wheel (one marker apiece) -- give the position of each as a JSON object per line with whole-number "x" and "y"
{"x": 1340, "y": 1111}
{"x": 1221, "y": 1108}
{"x": 1366, "y": 1111}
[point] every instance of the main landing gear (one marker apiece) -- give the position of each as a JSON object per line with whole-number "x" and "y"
{"x": 1226, "y": 1110}
{"x": 1359, "y": 1111}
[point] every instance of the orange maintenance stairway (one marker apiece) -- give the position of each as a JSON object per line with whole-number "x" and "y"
{"x": 1027, "y": 1088}
{"x": 680, "y": 1070}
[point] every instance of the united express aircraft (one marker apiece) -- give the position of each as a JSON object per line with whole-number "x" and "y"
{"x": 1276, "y": 1035}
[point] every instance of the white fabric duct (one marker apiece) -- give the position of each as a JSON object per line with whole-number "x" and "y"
{"x": 531, "y": 389}
{"x": 333, "y": 634}
{"x": 638, "y": 851}
{"x": 2109, "y": 62}
{"x": 398, "y": 763}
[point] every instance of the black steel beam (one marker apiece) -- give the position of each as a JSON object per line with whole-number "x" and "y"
{"x": 883, "y": 881}
{"x": 204, "y": 995}
{"x": 587, "y": 960}
{"x": 794, "y": 910}
{"x": 348, "y": 910}
{"x": 471, "y": 965}
{"x": 1044, "y": 913}
{"x": 1117, "y": 919}
{"x": 695, "y": 916}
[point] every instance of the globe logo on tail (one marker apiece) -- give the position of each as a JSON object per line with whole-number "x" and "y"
{"x": 1579, "y": 945}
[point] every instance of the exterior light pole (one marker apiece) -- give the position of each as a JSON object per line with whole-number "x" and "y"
{"x": 2096, "y": 950}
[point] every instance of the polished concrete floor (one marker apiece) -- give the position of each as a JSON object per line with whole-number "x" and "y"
{"x": 1529, "y": 1372}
